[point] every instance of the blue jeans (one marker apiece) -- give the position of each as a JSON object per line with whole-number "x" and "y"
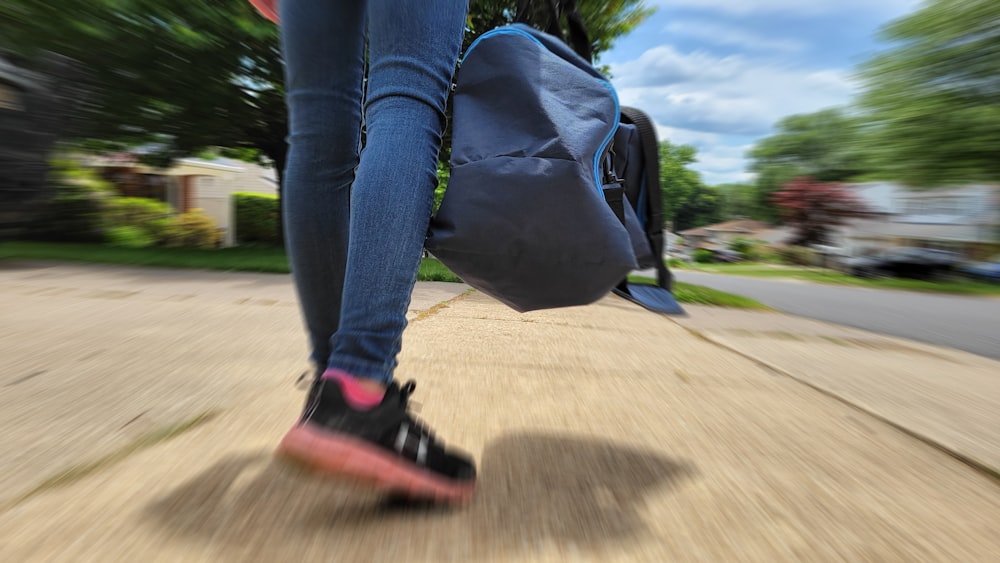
{"x": 355, "y": 220}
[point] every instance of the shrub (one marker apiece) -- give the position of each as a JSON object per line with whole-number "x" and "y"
{"x": 702, "y": 256}
{"x": 152, "y": 216}
{"x": 193, "y": 229}
{"x": 798, "y": 256}
{"x": 256, "y": 217}
{"x": 128, "y": 236}
{"x": 676, "y": 263}
{"x": 748, "y": 249}
{"x": 769, "y": 254}
{"x": 74, "y": 212}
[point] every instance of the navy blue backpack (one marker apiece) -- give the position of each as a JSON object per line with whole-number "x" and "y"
{"x": 554, "y": 193}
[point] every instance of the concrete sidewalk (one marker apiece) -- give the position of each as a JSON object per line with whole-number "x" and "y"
{"x": 944, "y": 396}
{"x": 140, "y": 409}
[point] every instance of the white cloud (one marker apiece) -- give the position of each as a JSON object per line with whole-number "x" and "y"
{"x": 664, "y": 65}
{"x": 797, "y": 7}
{"x": 721, "y": 105}
{"x": 714, "y": 178}
{"x": 729, "y": 35}
{"x": 727, "y": 95}
{"x": 721, "y": 158}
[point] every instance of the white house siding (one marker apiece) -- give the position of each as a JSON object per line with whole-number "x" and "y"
{"x": 213, "y": 193}
{"x": 961, "y": 219}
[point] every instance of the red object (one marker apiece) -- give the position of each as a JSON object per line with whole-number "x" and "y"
{"x": 267, "y": 8}
{"x": 356, "y": 396}
{"x": 341, "y": 455}
{"x": 813, "y": 207}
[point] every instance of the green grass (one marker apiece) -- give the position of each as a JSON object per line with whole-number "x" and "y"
{"x": 268, "y": 259}
{"x": 239, "y": 259}
{"x": 823, "y": 275}
{"x": 272, "y": 260}
{"x": 432, "y": 270}
{"x": 700, "y": 295}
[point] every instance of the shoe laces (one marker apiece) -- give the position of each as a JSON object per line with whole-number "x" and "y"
{"x": 405, "y": 390}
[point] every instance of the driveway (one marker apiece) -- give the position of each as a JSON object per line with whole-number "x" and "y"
{"x": 965, "y": 323}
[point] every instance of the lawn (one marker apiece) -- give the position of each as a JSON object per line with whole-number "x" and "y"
{"x": 272, "y": 260}
{"x": 823, "y": 275}
{"x": 700, "y": 295}
{"x": 267, "y": 259}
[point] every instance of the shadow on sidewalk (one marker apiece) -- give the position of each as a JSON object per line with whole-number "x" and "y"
{"x": 534, "y": 490}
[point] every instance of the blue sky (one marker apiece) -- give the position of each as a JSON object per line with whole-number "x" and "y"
{"x": 718, "y": 74}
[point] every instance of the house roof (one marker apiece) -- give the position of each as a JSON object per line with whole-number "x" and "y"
{"x": 181, "y": 167}
{"x": 742, "y": 226}
{"x": 777, "y": 235}
{"x": 699, "y": 232}
{"x": 878, "y": 197}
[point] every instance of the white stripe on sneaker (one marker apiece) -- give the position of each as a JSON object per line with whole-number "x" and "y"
{"x": 404, "y": 433}
{"x": 422, "y": 451}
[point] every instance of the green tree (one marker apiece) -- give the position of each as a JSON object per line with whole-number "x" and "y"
{"x": 183, "y": 77}
{"x": 736, "y": 200}
{"x": 605, "y": 20}
{"x": 825, "y": 145}
{"x": 687, "y": 201}
{"x": 172, "y": 76}
{"x": 934, "y": 96}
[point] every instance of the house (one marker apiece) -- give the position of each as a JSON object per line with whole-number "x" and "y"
{"x": 717, "y": 237}
{"x": 963, "y": 219}
{"x": 191, "y": 183}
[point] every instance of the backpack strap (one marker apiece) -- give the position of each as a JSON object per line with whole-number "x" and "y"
{"x": 654, "y": 201}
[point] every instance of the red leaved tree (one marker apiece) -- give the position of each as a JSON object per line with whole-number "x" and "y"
{"x": 812, "y": 208}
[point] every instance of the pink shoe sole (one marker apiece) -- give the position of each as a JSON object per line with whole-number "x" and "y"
{"x": 345, "y": 457}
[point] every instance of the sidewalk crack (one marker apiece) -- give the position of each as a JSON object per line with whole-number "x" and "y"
{"x": 76, "y": 473}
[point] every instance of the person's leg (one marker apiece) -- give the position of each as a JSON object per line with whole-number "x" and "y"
{"x": 356, "y": 422}
{"x": 413, "y": 49}
{"x": 323, "y": 44}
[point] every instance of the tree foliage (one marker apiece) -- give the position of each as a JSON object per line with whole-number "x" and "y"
{"x": 182, "y": 76}
{"x": 736, "y": 200}
{"x": 812, "y": 208}
{"x": 934, "y": 97}
{"x": 605, "y": 20}
{"x": 178, "y": 78}
{"x": 173, "y": 77}
{"x": 687, "y": 201}
{"x": 825, "y": 145}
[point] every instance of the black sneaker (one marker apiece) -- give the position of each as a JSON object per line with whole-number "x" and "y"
{"x": 384, "y": 446}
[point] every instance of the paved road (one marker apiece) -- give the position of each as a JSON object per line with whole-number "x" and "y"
{"x": 966, "y": 323}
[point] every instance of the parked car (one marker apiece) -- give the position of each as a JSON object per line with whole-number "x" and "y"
{"x": 905, "y": 262}
{"x": 987, "y": 271}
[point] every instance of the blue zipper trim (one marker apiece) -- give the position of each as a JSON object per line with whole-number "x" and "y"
{"x": 501, "y": 31}
{"x": 614, "y": 95}
{"x": 608, "y": 138}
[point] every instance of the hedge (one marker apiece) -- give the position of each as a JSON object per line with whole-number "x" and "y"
{"x": 256, "y": 217}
